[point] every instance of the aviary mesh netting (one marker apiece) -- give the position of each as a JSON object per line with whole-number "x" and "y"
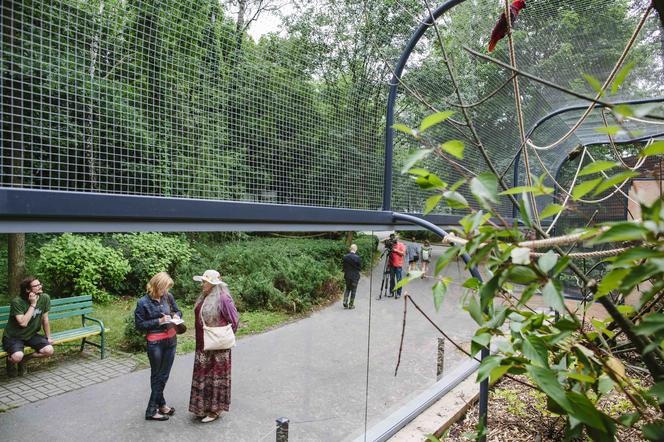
{"x": 188, "y": 98}
{"x": 559, "y": 42}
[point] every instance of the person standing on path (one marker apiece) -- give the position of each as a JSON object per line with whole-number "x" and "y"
{"x": 211, "y": 379}
{"x": 153, "y": 314}
{"x": 425, "y": 256}
{"x": 396, "y": 263}
{"x": 28, "y": 313}
{"x": 351, "y": 265}
{"x": 413, "y": 251}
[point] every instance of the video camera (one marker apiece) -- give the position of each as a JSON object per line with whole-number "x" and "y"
{"x": 389, "y": 243}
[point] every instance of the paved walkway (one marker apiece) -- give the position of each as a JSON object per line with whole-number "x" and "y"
{"x": 61, "y": 377}
{"x": 312, "y": 371}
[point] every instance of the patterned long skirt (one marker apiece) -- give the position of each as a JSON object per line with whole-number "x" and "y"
{"x": 211, "y": 382}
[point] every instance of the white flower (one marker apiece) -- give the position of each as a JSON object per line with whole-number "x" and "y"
{"x": 521, "y": 255}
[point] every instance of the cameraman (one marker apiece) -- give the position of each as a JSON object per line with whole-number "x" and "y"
{"x": 397, "y": 250}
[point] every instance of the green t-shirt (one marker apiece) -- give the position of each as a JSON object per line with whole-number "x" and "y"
{"x": 18, "y": 307}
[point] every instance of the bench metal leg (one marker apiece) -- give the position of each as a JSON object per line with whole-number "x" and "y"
{"x": 82, "y": 344}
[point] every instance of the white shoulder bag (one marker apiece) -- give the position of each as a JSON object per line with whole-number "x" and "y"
{"x": 217, "y": 338}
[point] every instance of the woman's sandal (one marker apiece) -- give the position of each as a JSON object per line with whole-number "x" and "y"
{"x": 170, "y": 412}
{"x": 209, "y": 418}
{"x": 157, "y": 417}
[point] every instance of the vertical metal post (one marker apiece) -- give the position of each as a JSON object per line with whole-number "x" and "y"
{"x": 282, "y": 429}
{"x": 440, "y": 361}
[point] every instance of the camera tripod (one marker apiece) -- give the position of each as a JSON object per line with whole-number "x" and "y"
{"x": 387, "y": 273}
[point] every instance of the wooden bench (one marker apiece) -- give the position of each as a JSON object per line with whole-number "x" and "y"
{"x": 65, "y": 308}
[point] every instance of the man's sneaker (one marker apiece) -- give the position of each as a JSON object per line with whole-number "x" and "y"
{"x": 22, "y": 369}
{"x": 350, "y": 307}
{"x": 12, "y": 370}
{"x": 345, "y": 305}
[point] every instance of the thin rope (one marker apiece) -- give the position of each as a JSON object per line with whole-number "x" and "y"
{"x": 608, "y": 81}
{"x": 567, "y": 196}
{"x": 639, "y": 162}
{"x": 519, "y": 111}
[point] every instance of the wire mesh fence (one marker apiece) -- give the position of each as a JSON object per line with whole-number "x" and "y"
{"x": 194, "y": 99}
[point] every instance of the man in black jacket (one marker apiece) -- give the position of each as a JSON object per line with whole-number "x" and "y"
{"x": 352, "y": 265}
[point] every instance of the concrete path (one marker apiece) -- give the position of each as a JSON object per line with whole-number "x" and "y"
{"x": 312, "y": 371}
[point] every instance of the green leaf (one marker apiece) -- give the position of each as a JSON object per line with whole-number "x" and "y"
{"x": 487, "y": 364}
{"x": 519, "y": 189}
{"x": 583, "y": 188}
{"x": 498, "y": 372}
{"x": 625, "y": 231}
{"x": 585, "y": 411}
{"x": 650, "y": 325}
{"x": 551, "y": 210}
{"x": 434, "y": 119}
{"x": 475, "y": 310}
{"x": 610, "y": 130}
{"x": 656, "y": 148}
{"x": 553, "y": 298}
{"x": 521, "y": 274}
{"x": 620, "y": 77}
{"x": 614, "y": 180}
{"x": 635, "y": 254}
{"x": 597, "y": 166}
{"x": 594, "y": 83}
{"x": 534, "y": 348}
{"x": 454, "y": 148}
{"x": 605, "y": 384}
{"x": 579, "y": 377}
{"x": 431, "y": 203}
{"x": 611, "y": 281}
{"x": 657, "y": 391}
{"x": 547, "y": 261}
{"x": 439, "y": 292}
{"x": 404, "y": 281}
{"x": 629, "y": 419}
{"x": 485, "y": 189}
{"x": 654, "y": 431}
{"x": 414, "y": 157}
{"x": 455, "y": 200}
{"x": 403, "y": 128}
{"x": 456, "y": 185}
{"x": 623, "y": 110}
{"x": 547, "y": 380}
{"x": 524, "y": 210}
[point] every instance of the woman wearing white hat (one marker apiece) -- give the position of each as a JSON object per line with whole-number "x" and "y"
{"x": 211, "y": 379}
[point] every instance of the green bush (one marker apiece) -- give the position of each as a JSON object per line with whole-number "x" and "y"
{"x": 134, "y": 340}
{"x": 274, "y": 273}
{"x": 81, "y": 265}
{"x": 148, "y": 254}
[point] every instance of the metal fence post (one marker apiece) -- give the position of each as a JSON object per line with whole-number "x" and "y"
{"x": 440, "y": 361}
{"x": 282, "y": 429}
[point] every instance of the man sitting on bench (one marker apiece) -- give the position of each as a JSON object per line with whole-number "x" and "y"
{"x": 28, "y": 313}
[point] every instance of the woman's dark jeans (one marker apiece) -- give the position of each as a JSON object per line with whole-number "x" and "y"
{"x": 161, "y": 354}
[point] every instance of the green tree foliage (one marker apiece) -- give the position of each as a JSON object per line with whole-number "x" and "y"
{"x": 73, "y": 265}
{"x": 148, "y": 254}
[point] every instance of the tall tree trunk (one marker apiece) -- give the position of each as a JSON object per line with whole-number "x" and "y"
{"x": 349, "y": 238}
{"x": 15, "y": 262}
{"x": 12, "y": 109}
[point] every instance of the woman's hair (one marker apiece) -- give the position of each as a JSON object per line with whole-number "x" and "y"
{"x": 26, "y": 286}
{"x": 159, "y": 282}
{"x": 426, "y": 242}
{"x": 211, "y": 308}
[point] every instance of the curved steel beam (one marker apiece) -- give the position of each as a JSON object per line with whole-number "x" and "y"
{"x": 391, "y": 99}
{"x": 544, "y": 119}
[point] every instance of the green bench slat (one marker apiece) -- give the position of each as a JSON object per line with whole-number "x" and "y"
{"x": 80, "y": 312}
{"x": 73, "y": 299}
{"x": 65, "y": 307}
